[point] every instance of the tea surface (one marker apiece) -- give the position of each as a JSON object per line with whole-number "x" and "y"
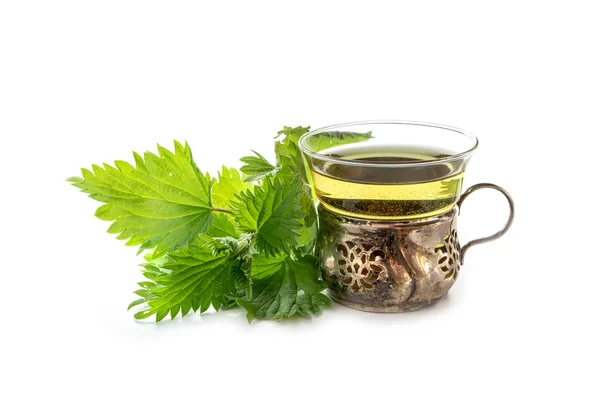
{"x": 388, "y": 191}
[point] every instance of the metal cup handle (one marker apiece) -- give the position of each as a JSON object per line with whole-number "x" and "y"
{"x": 496, "y": 235}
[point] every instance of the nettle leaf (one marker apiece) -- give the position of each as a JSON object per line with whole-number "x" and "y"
{"x": 264, "y": 266}
{"x": 293, "y": 289}
{"x": 222, "y": 242}
{"x": 229, "y": 184}
{"x": 256, "y": 168}
{"x": 227, "y": 244}
{"x": 308, "y": 205}
{"x": 307, "y": 238}
{"x": 290, "y": 160}
{"x": 292, "y": 134}
{"x": 194, "y": 278}
{"x": 223, "y": 225}
{"x": 292, "y": 165}
{"x": 242, "y": 280}
{"x": 272, "y": 212}
{"x": 288, "y": 152}
{"x": 325, "y": 140}
{"x": 162, "y": 202}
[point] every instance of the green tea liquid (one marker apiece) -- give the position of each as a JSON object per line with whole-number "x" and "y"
{"x": 386, "y": 192}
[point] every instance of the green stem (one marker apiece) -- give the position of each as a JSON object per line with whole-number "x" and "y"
{"x": 224, "y": 210}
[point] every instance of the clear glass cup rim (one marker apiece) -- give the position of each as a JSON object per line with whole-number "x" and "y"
{"x": 324, "y": 157}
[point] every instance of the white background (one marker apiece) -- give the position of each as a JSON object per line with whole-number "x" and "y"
{"x": 84, "y": 82}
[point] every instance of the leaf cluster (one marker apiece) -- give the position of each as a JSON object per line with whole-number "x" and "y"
{"x": 236, "y": 240}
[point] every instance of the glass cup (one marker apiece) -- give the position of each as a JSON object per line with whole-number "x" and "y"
{"x": 389, "y": 193}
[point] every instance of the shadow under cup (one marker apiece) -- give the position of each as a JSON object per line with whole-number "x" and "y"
{"x": 388, "y": 170}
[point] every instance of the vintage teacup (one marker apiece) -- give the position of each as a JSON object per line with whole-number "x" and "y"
{"x": 389, "y": 194}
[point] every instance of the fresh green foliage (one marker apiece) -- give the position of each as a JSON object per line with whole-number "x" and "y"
{"x": 256, "y": 168}
{"x": 162, "y": 203}
{"x": 220, "y": 242}
{"x": 278, "y": 296}
{"x": 291, "y": 135}
{"x": 264, "y": 266}
{"x": 291, "y": 163}
{"x": 326, "y": 140}
{"x": 289, "y": 156}
{"x": 223, "y": 225}
{"x": 271, "y": 211}
{"x": 229, "y": 183}
{"x": 193, "y": 278}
